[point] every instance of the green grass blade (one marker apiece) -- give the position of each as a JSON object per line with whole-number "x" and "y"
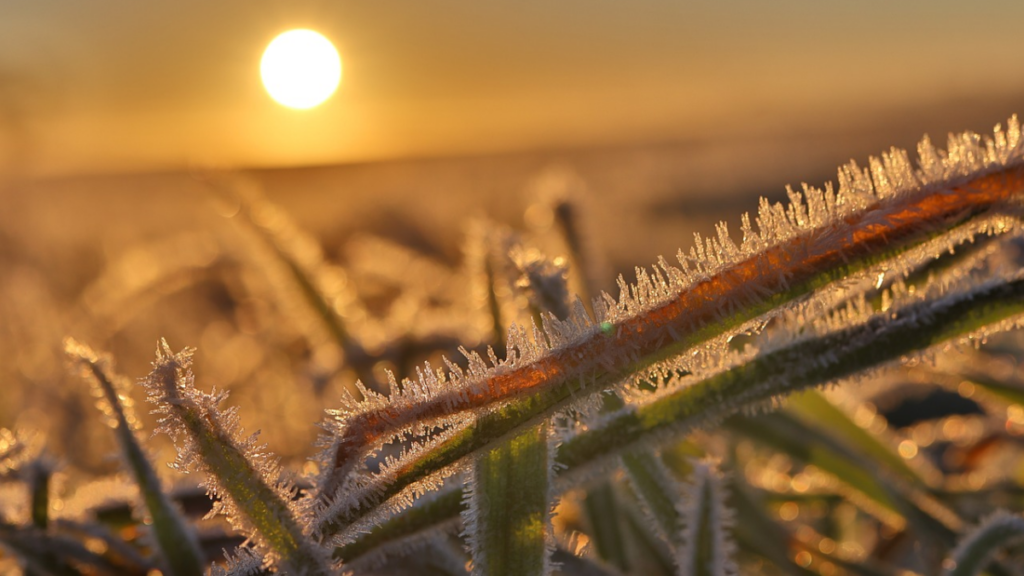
{"x": 849, "y": 351}
{"x": 813, "y": 446}
{"x": 176, "y": 541}
{"x": 814, "y": 409}
{"x": 606, "y": 529}
{"x": 658, "y": 492}
{"x": 507, "y": 520}
{"x": 860, "y": 347}
{"x": 707, "y": 545}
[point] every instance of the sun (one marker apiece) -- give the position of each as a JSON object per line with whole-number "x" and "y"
{"x": 300, "y": 69}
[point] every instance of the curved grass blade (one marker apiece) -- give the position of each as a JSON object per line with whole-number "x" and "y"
{"x": 176, "y": 541}
{"x": 932, "y": 521}
{"x": 877, "y": 340}
{"x": 890, "y": 214}
{"x": 976, "y": 550}
{"x": 840, "y": 354}
{"x": 814, "y": 409}
{"x": 507, "y": 517}
{"x": 255, "y": 494}
{"x": 707, "y": 545}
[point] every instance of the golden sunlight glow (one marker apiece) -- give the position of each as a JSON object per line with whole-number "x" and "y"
{"x": 300, "y": 69}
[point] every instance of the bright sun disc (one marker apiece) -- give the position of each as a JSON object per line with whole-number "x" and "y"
{"x": 300, "y": 69}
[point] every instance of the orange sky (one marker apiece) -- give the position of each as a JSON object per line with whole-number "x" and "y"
{"x": 123, "y": 85}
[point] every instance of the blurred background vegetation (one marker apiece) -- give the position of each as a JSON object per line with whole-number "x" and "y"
{"x": 663, "y": 117}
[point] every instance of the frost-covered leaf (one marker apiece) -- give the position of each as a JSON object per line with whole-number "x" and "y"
{"x": 658, "y": 493}
{"x": 176, "y": 541}
{"x": 870, "y": 342}
{"x": 255, "y": 493}
{"x": 813, "y": 360}
{"x": 888, "y": 217}
{"x": 507, "y": 519}
{"x": 707, "y": 546}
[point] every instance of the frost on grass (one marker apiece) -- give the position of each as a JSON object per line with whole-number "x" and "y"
{"x": 244, "y": 561}
{"x": 508, "y": 506}
{"x": 707, "y": 545}
{"x": 175, "y": 540}
{"x": 810, "y": 269}
{"x": 253, "y": 491}
{"x": 889, "y": 217}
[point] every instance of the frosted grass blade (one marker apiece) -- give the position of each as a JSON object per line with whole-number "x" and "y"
{"x": 658, "y": 493}
{"x": 507, "y": 517}
{"x": 707, "y": 545}
{"x": 855, "y": 349}
{"x": 890, "y": 214}
{"x": 840, "y": 354}
{"x": 255, "y": 494}
{"x": 176, "y": 541}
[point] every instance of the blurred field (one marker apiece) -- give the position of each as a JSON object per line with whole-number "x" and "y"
{"x": 121, "y": 260}
{"x": 664, "y": 126}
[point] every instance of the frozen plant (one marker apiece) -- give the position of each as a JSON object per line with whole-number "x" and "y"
{"x": 624, "y": 434}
